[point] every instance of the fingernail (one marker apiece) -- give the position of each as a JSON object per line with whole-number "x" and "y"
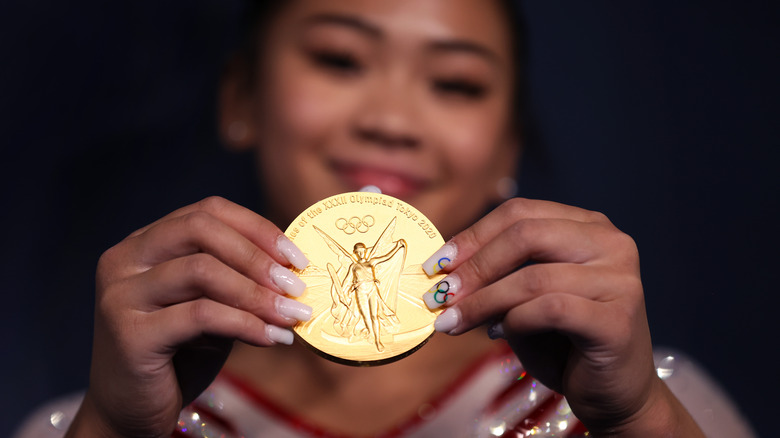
{"x": 292, "y": 309}
{"x": 287, "y": 281}
{"x": 447, "y": 321}
{"x": 440, "y": 259}
{"x": 279, "y": 335}
{"x": 496, "y": 331}
{"x": 442, "y": 291}
{"x": 371, "y": 189}
{"x": 291, "y": 252}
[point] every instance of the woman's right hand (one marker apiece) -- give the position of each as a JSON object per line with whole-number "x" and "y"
{"x": 171, "y": 298}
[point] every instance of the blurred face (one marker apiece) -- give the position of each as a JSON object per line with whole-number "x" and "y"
{"x": 411, "y": 96}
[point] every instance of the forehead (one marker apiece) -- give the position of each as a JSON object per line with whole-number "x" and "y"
{"x": 478, "y": 21}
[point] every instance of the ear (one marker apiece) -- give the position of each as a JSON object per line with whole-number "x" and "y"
{"x": 502, "y": 182}
{"x": 236, "y": 121}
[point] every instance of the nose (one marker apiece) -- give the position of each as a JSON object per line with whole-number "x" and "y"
{"x": 387, "y": 117}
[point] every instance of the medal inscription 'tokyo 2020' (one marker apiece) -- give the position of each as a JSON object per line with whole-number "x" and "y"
{"x": 365, "y": 280}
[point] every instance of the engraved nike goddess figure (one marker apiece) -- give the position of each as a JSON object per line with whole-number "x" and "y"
{"x": 365, "y": 292}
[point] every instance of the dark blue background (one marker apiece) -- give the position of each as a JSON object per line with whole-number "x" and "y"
{"x": 662, "y": 114}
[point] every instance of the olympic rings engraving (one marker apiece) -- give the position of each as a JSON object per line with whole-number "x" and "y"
{"x": 355, "y": 224}
{"x": 442, "y": 293}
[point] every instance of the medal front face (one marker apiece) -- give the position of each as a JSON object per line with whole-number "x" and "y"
{"x": 365, "y": 281}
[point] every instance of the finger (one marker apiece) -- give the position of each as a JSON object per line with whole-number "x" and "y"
{"x": 201, "y": 232}
{"x": 600, "y": 284}
{"x": 606, "y": 335}
{"x": 584, "y": 321}
{"x": 563, "y": 313}
{"x": 176, "y": 325}
{"x": 201, "y": 275}
{"x": 469, "y": 241}
{"x": 254, "y": 227}
{"x": 541, "y": 240}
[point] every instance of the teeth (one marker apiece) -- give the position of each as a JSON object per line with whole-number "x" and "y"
{"x": 371, "y": 189}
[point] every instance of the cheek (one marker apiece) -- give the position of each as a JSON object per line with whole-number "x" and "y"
{"x": 295, "y": 115}
{"x": 472, "y": 144}
{"x": 471, "y": 148}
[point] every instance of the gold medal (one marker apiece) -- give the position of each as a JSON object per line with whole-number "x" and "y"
{"x": 365, "y": 281}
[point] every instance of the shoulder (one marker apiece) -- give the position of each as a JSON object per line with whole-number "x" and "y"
{"x": 52, "y": 419}
{"x": 702, "y": 396}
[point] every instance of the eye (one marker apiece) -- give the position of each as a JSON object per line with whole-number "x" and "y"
{"x": 460, "y": 88}
{"x": 337, "y": 62}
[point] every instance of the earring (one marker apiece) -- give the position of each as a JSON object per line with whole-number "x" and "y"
{"x": 237, "y": 131}
{"x": 506, "y": 188}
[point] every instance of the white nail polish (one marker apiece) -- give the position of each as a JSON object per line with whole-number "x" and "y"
{"x": 440, "y": 259}
{"x": 287, "y": 281}
{"x": 291, "y": 252}
{"x": 279, "y": 335}
{"x": 447, "y": 321}
{"x": 371, "y": 189}
{"x": 442, "y": 291}
{"x": 292, "y": 309}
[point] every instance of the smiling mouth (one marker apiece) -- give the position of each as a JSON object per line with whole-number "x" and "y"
{"x": 393, "y": 183}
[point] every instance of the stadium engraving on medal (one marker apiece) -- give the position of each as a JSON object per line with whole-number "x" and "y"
{"x": 365, "y": 281}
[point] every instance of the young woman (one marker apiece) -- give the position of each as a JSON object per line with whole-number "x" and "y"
{"x": 419, "y": 99}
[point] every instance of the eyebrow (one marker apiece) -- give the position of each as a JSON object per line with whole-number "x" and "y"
{"x": 348, "y": 21}
{"x": 467, "y": 47}
{"x": 375, "y": 32}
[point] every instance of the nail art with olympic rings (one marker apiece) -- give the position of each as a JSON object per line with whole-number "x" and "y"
{"x": 442, "y": 291}
{"x": 440, "y": 259}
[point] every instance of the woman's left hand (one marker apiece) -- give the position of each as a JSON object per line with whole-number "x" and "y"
{"x": 563, "y": 284}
